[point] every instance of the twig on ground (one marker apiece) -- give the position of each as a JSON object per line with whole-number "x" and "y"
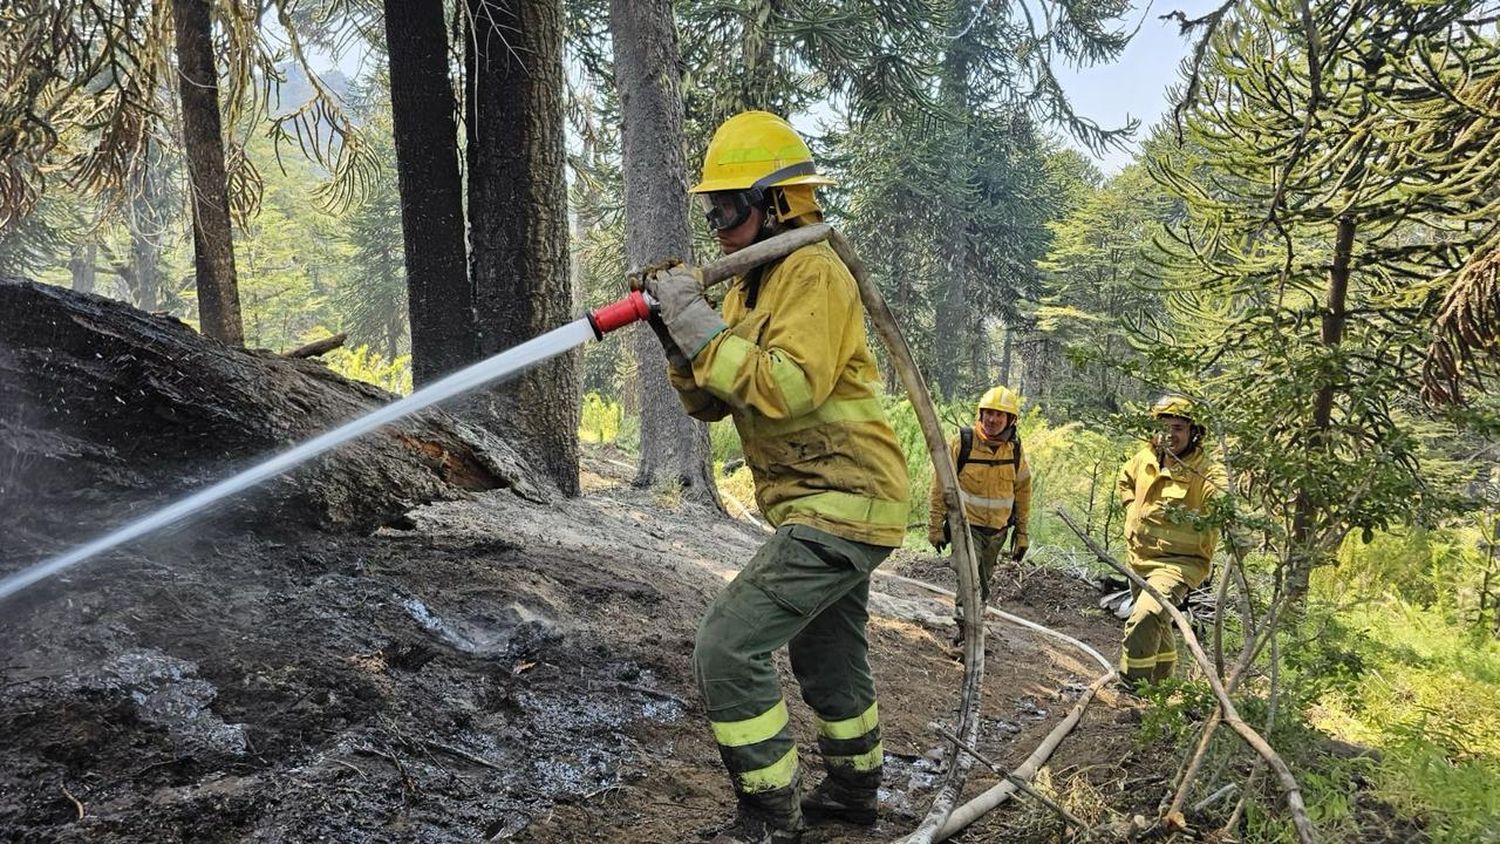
{"x": 355, "y": 768}
{"x": 77, "y": 804}
{"x": 976, "y": 808}
{"x": 462, "y": 754}
{"x": 1215, "y": 797}
{"x": 1230, "y": 714}
{"x": 656, "y": 693}
{"x": 1012, "y": 778}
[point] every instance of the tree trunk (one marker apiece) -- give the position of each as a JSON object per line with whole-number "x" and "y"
{"x": 518, "y": 222}
{"x": 439, "y": 294}
{"x": 953, "y": 305}
{"x": 979, "y": 355}
{"x": 84, "y": 447}
{"x": 674, "y": 446}
{"x": 1005, "y": 355}
{"x": 203, "y": 141}
{"x": 1335, "y": 316}
{"x": 82, "y": 267}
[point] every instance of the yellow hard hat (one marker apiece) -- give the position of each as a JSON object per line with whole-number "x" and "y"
{"x": 757, "y": 149}
{"x": 1003, "y": 399}
{"x": 1174, "y": 404}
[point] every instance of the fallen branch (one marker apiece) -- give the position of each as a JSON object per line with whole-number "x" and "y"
{"x": 1214, "y": 798}
{"x": 462, "y": 754}
{"x": 979, "y": 806}
{"x": 318, "y": 347}
{"x": 1230, "y": 715}
{"x": 77, "y": 804}
{"x": 1008, "y": 776}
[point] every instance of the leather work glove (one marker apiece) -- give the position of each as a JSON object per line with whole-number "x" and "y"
{"x": 689, "y": 320}
{"x": 637, "y": 279}
{"x": 938, "y": 536}
{"x": 675, "y": 357}
{"x": 1019, "y": 552}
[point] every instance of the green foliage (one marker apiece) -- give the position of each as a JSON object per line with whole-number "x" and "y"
{"x": 372, "y": 303}
{"x": 363, "y": 364}
{"x": 600, "y": 419}
{"x": 1422, "y": 690}
{"x": 1321, "y": 226}
{"x": 724, "y": 442}
{"x": 1097, "y": 271}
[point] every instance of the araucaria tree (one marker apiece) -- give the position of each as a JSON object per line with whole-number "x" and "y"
{"x": 1339, "y": 173}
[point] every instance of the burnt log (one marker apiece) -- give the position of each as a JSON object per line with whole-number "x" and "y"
{"x": 106, "y": 410}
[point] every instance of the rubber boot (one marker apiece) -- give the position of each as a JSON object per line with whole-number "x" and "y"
{"x": 847, "y": 796}
{"x": 767, "y": 817}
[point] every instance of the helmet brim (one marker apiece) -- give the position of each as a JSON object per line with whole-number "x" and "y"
{"x": 712, "y": 185}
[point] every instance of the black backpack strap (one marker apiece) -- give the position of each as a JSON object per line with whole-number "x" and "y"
{"x": 1014, "y": 512}
{"x": 965, "y": 448}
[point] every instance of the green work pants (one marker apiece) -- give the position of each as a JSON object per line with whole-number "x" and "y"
{"x": 988, "y": 543}
{"x": 807, "y": 590}
{"x": 1149, "y": 649}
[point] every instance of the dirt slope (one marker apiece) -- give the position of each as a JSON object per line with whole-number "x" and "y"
{"x": 500, "y": 670}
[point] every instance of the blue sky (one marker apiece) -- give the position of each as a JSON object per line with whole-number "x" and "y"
{"x": 1136, "y": 85}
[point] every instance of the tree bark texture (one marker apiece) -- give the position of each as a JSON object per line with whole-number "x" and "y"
{"x": 203, "y": 142}
{"x": 439, "y": 294}
{"x": 106, "y": 410}
{"x": 674, "y": 446}
{"x": 518, "y": 227}
{"x": 953, "y": 304}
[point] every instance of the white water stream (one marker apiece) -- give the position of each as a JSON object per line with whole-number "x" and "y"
{"x": 506, "y": 363}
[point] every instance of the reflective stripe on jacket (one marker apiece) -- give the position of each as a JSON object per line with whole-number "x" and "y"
{"x": 992, "y": 485}
{"x": 797, "y": 375}
{"x": 1160, "y": 505}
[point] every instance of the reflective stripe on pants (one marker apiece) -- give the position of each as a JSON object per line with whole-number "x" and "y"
{"x": 807, "y": 590}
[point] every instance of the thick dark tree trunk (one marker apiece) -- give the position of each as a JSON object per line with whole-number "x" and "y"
{"x": 953, "y": 305}
{"x": 423, "y": 112}
{"x": 203, "y": 141}
{"x": 129, "y": 407}
{"x": 674, "y": 446}
{"x": 518, "y": 223}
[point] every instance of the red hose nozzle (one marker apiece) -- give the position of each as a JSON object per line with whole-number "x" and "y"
{"x": 631, "y": 309}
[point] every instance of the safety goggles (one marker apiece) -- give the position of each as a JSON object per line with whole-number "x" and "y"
{"x": 726, "y": 209}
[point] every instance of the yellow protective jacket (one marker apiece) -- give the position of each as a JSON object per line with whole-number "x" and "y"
{"x": 797, "y": 374}
{"x": 993, "y": 483}
{"x": 1160, "y": 503}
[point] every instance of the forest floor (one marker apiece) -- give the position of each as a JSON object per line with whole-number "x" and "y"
{"x": 497, "y": 669}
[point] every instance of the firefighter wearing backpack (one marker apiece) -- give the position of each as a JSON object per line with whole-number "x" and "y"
{"x": 1166, "y": 490}
{"x": 995, "y": 481}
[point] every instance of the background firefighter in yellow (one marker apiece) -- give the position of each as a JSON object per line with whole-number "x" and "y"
{"x": 788, "y": 359}
{"x": 995, "y": 480}
{"x": 1166, "y": 489}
